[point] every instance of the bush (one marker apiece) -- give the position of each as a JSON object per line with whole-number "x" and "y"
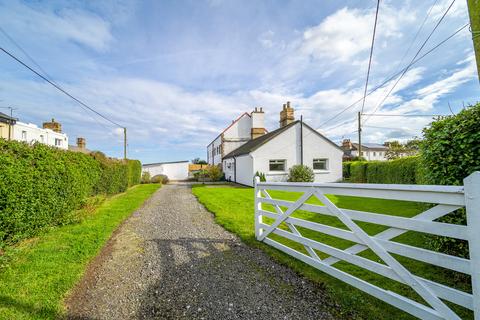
{"x": 451, "y": 152}
{"x": 399, "y": 171}
{"x": 358, "y": 171}
{"x": 40, "y": 186}
{"x": 261, "y": 175}
{"x": 214, "y": 173}
{"x": 159, "y": 178}
{"x": 301, "y": 173}
{"x": 346, "y": 169}
{"x": 146, "y": 177}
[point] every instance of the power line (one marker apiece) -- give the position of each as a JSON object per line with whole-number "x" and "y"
{"x": 396, "y": 74}
{"x": 413, "y": 59}
{"x": 59, "y": 88}
{"x": 19, "y": 47}
{"x": 371, "y": 54}
{"x": 404, "y": 115}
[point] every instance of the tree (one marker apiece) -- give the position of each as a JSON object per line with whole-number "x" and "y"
{"x": 198, "y": 161}
{"x": 395, "y": 150}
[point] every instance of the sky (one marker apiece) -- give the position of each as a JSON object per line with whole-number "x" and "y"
{"x": 176, "y": 73}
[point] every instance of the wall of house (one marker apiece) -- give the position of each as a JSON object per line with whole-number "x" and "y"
{"x": 174, "y": 171}
{"x": 4, "y": 129}
{"x": 317, "y": 147}
{"x": 371, "y": 155}
{"x": 214, "y": 155}
{"x": 31, "y": 133}
{"x": 286, "y": 146}
{"x": 245, "y": 170}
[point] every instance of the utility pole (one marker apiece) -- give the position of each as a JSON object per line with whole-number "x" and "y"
{"x": 125, "y": 143}
{"x": 10, "y": 125}
{"x": 359, "y": 134}
{"x": 474, "y": 13}
{"x": 301, "y": 140}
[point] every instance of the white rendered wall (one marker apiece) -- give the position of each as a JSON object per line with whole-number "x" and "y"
{"x": 174, "y": 171}
{"x": 35, "y": 133}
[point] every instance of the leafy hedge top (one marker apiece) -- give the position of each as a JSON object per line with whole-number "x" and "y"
{"x": 41, "y": 186}
{"x": 451, "y": 147}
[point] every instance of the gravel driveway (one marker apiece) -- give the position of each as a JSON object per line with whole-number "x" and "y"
{"x": 171, "y": 261}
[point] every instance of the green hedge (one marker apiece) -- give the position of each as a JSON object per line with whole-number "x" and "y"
{"x": 42, "y": 186}
{"x": 406, "y": 170}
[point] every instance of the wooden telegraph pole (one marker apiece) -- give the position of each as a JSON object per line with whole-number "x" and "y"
{"x": 359, "y": 134}
{"x": 474, "y": 13}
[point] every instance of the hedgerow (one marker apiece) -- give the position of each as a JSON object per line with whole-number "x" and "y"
{"x": 41, "y": 186}
{"x": 451, "y": 152}
{"x": 408, "y": 170}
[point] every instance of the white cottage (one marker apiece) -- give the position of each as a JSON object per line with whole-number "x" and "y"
{"x": 274, "y": 153}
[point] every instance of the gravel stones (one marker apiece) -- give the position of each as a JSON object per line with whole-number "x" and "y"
{"x": 171, "y": 261}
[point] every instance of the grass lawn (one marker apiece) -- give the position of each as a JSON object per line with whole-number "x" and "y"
{"x": 40, "y": 272}
{"x": 234, "y": 209}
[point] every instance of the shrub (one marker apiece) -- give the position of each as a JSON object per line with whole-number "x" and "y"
{"x": 301, "y": 173}
{"x": 346, "y": 169}
{"x": 358, "y": 171}
{"x": 146, "y": 177}
{"x": 214, "y": 173}
{"x": 451, "y": 152}
{"x": 261, "y": 175}
{"x": 200, "y": 175}
{"x": 159, "y": 178}
{"x": 40, "y": 186}
{"x": 398, "y": 171}
{"x": 134, "y": 174}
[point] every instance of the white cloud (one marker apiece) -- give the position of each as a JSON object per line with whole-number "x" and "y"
{"x": 75, "y": 25}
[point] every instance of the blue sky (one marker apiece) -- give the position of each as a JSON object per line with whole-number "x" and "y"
{"x": 175, "y": 73}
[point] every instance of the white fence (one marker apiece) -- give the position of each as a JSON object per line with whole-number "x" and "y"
{"x": 446, "y": 199}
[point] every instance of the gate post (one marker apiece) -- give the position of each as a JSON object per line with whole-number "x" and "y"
{"x": 258, "y": 206}
{"x": 472, "y": 206}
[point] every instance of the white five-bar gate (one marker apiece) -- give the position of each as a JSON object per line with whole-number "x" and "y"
{"x": 446, "y": 198}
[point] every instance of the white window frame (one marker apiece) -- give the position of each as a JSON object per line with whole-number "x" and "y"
{"x": 320, "y": 159}
{"x": 58, "y": 142}
{"x": 24, "y": 135}
{"x": 276, "y": 161}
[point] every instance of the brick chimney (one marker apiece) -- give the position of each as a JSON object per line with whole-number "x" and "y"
{"x": 347, "y": 144}
{"x": 258, "y": 123}
{"x": 81, "y": 143}
{"x": 53, "y": 125}
{"x": 286, "y": 115}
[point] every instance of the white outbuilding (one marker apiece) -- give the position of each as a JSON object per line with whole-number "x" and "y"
{"x": 274, "y": 153}
{"x": 174, "y": 170}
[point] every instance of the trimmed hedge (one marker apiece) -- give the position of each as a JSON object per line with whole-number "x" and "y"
{"x": 406, "y": 170}
{"x": 42, "y": 186}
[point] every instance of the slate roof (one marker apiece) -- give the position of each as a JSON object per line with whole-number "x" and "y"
{"x": 6, "y": 118}
{"x": 370, "y": 146}
{"x": 256, "y": 143}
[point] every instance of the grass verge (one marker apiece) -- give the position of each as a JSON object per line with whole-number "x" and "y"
{"x": 41, "y": 271}
{"x": 234, "y": 210}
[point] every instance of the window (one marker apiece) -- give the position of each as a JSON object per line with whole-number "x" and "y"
{"x": 374, "y": 153}
{"x": 42, "y": 140}
{"x": 58, "y": 142}
{"x": 277, "y": 165}
{"x": 24, "y": 135}
{"x": 320, "y": 164}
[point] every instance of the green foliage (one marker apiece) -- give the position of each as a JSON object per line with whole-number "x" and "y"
{"x": 451, "y": 152}
{"x": 134, "y": 172}
{"x": 214, "y": 173}
{"x": 301, "y": 173}
{"x": 398, "y": 171}
{"x": 451, "y": 148}
{"x": 200, "y": 175}
{"x": 146, "y": 177}
{"x": 160, "y": 178}
{"x": 198, "y": 161}
{"x": 346, "y": 169}
{"x": 407, "y": 170}
{"x": 261, "y": 175}
{"x": 40, "y": 186}
{"x": 358, "y": 171}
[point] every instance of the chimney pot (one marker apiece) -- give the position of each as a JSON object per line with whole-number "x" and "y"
{"x": 81, "y": 143}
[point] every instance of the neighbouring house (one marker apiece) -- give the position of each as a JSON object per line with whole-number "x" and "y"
{"x": 51, "y": 134}
{"x": 245, "y": 128}
{"x": 370, "y": 151}
{"x": 80, "y": 147}
{"x": 174, "y": 170}
{"x": 275, "y": 152}
{"x": 6, "y": 125}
